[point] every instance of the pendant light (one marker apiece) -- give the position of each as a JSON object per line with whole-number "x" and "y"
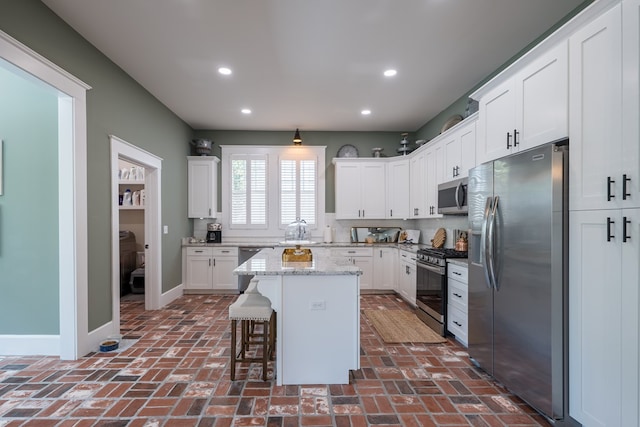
{"x": 297, "y": 140}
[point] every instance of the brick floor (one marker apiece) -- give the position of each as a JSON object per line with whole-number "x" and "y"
{"x": 176, "y": 374}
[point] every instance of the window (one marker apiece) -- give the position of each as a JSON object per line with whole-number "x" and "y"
{"x": 265, "y": 188}
{"x": 249, "y": 191}
{"x": 298, "y": 191}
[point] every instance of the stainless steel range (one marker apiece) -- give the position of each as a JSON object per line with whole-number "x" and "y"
{"x": 431, "y": 286}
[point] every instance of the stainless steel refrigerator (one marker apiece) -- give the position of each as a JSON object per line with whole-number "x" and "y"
{"x": 518, "y": 275}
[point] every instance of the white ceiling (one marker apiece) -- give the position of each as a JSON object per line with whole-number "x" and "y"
{"x": 307, "y": 64}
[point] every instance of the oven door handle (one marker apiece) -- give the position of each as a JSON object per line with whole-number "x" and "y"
{"x": 438, "y": 269}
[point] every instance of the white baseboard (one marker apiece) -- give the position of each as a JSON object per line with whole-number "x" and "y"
{"x": 30, "y": 345}
{"x": 171, "y": 295}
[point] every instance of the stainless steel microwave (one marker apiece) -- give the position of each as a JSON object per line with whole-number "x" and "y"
{"x": 452, "y": 197}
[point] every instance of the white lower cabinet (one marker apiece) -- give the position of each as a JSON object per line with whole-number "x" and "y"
{"x": 407, "y": 276}
{"x": 603, "y": 316}
{"x": 384, "y": 268}
{"x": 457, "y": 307}
{"x": 362, "y": 258}
{"x": 209, "y": 269}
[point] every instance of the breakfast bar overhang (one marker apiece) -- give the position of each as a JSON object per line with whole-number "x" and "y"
{"x": 318, "y": 311}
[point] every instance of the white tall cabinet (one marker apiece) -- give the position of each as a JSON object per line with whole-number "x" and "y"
{"x": 604, "y": 219}
{"x": 202, "y": 186}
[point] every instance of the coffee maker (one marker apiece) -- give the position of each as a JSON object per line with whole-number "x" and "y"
{"x": 214, "y": 232}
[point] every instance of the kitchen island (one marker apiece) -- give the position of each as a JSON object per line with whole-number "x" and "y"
{"x": 318, "y": 314}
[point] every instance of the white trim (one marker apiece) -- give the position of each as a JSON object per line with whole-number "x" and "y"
{"x": 30, "y": 345}
{"x": 121, "y": 149}
{"x": 72, "y": 190}
{"x": 171, "y": 295}
{"x": 273, "y": 153}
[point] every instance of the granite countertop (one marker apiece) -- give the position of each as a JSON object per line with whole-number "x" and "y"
{"x": 462, "y": 262}
{"x": 268, "y": 262}
{"x": 404, "y": 246}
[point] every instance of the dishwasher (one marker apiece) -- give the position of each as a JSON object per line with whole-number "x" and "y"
{"x": 244, "y": 254}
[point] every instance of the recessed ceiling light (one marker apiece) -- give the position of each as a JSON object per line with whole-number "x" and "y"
{"x": 224, "y": 71}
{"x": 246, "y": 111}
{"x": 390, "y": 73}
{"x": 365, "y": 112}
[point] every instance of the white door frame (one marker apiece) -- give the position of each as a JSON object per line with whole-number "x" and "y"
{"x": 121, "y": 149}
{"x": 73, "y": 341}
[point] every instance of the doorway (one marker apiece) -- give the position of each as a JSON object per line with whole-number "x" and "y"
{"x": 141, "y": 212}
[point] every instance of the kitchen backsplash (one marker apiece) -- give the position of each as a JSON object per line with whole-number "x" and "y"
{"x": 342, "y": 228}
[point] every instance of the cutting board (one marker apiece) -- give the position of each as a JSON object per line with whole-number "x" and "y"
{"x": 439, "y": 238}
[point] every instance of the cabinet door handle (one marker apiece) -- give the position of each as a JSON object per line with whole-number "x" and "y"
{"x": 214, "y": 262}
{"x": 456, "y": 273}
{"x": 625, "y": 179}
{"x": 457, "y": 323}
{"x": 362, "y": 213}
{"x": 457, "y": 295}
{"x": 609, "y": 195}
{"x": 390, "y": 212}
{"x": 209, "y": 211}
{"x": 508, "y": 140}
{"x": 609, "y": 223}
{"x": 209, "y": 262}
{"x": 380, "y": 253}
{"x": 625, "y": 221}
{"x": 515, "y": 137}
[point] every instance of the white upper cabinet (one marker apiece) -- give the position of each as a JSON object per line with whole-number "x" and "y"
{"x": 460, "y": 150}
{"x": 526, "y": 110}
{"x": 417, "y": 185}
{"x": 398, "y": 196}
{"x": 434, "y": 163}
{"x": 360, "y": 189}
{"x": 203, "y": 186}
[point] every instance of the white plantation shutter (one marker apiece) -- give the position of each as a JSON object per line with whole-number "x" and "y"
{"x": 298, "y": 191}
{"x": 249, "y": 190}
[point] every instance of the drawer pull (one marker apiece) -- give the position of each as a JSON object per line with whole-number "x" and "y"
{"x": 458, "y": 323}
{"x": 198, "y": 252}
{"x": 456, "y": 273}
{"x": 457, "y": 295}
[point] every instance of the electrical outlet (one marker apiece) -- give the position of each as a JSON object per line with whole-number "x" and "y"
{"x": 318, "y": 305}
{"x": 165, "y": 229}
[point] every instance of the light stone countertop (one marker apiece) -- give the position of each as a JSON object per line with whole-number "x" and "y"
{"x": 268, "y": 262}
{"x": 403, "y": 246}
{"x": 462, "y": 262}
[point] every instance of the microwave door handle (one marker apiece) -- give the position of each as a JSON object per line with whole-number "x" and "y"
{"x": 484, "y": 250}
{"x": 458, "y": 194}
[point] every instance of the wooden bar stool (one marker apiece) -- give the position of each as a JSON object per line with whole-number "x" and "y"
{"x": 251, "y": 309}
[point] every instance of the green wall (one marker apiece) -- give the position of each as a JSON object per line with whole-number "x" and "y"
{"x": 28, "y": 206}
{"x": 364, "y": 141}
{"x": 116, "y": 105}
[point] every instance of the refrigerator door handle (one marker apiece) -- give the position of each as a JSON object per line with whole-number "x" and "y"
{"x": 484, "y": 254}
{"x": 492, "y": 244}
